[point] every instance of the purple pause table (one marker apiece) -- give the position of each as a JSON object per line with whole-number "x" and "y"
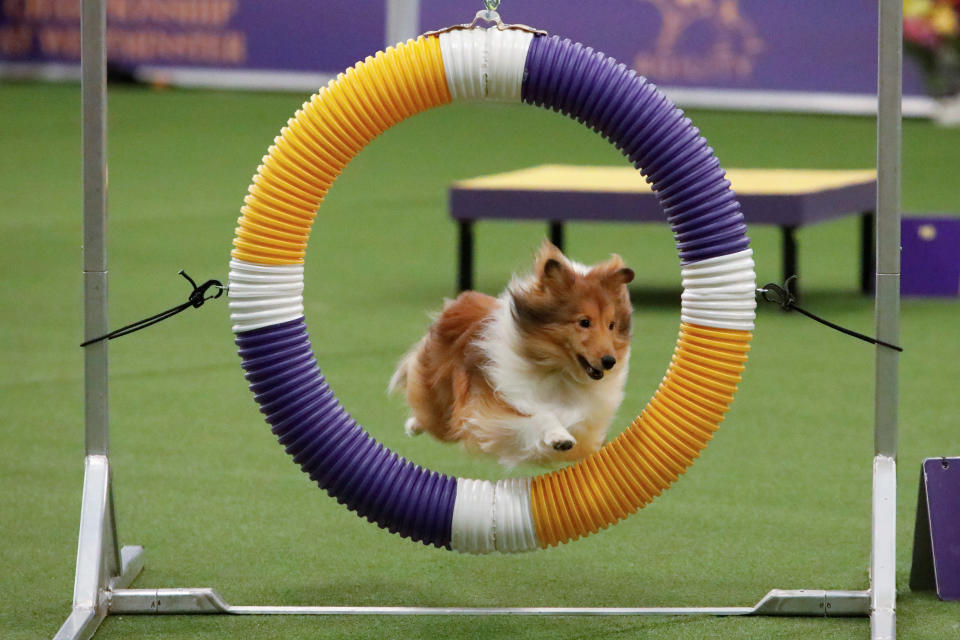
{"x": 556, "y": 194}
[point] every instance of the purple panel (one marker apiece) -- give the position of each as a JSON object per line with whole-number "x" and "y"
{"x": 942, "y": 479}
{"x": 734, "y": 44}
{"x": 302, "y": 35}
{"x": 930, "y": 258}
{"x": 332, "y": 448}
{"x": 794, "y": 210}
{"x": 649, "y": 130}
{"x": 289, "y": 35}
{"x": 524, "y": 204}
{"x": 815, "y": 45}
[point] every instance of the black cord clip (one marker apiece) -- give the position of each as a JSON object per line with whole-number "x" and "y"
{"x": 787, "y": 301}
{"x": 196, "y": 299}
{"x": 778, "y": 295}
{"x": 199, "y": 294}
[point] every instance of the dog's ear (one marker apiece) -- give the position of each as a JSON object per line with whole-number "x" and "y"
{"x": 551, "y": 267}
{"x": 613, "y": 273}
{"x": 556, "y": 275}
{"x": 621, "y": 276}
{"x": 547, "y": 251}
{"x": 548, "y": 248}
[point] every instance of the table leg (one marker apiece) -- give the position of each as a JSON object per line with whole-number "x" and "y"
{"x": 868, "y": 252}
{"x": 556, "y": 234}
{"x": 465, "y": 269}
{"x": 789, "y": 248}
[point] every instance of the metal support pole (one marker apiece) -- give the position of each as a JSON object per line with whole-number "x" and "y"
{"x": 402, "y": 21}
{"x": 887, "y": 314}
{"x": 888, "y": 224}
{"x": 101, "y": 564}
{"x": 94, "y": 105}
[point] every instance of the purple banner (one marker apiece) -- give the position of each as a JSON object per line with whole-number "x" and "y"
{"x": 764, "y": 45}
{"x": 769, "y": 45}
{"x": 289, "y": 35}
{"x": 930, "y": 257}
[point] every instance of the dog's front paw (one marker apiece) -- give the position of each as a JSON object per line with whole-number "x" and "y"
{"x": 412, "y": 427}
{"x": 560, "y": 440}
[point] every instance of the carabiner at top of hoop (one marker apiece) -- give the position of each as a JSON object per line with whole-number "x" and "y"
{"x": 489, "y": 15}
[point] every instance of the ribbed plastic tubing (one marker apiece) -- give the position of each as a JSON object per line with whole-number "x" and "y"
{"x": 266, "y": 290}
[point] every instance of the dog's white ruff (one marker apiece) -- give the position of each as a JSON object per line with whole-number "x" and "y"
{"x": 556, "y": 405}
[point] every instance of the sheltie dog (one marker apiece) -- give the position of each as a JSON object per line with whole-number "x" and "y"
{"x": 534, "y": 375}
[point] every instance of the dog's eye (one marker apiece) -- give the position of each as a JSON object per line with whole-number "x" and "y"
{"x": 585, "y": 323}
{"x": 611, "y": 326}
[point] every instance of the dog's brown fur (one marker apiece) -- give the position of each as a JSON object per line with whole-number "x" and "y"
{"x": 451, "y": 376}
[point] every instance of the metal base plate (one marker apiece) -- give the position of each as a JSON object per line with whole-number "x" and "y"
{"x": 207, "y": 601}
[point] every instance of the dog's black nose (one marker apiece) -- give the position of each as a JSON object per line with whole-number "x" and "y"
{"x": 608, "y": 362}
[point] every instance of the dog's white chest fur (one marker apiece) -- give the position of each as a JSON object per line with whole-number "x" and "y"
{"x": 554, "y": 405}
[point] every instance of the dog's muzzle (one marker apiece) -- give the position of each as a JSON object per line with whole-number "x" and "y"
{"x": 591, "y": 370}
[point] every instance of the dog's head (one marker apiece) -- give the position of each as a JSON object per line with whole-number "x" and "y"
{"x": 574, "y": 317}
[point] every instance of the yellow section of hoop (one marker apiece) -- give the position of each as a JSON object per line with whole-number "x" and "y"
{"x": 654, "y": 450}
{"x": 321, "y": 139}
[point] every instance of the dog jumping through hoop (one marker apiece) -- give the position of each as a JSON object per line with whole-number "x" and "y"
{"x": 533, "y": 375}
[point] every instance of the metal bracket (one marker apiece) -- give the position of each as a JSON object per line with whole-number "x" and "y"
{"x": 488, "y": 16}
{"x": 814, "y": 602}
{"x": 101, "y": 566}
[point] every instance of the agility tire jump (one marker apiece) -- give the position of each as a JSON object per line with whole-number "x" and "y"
{"x": 266, "y": 287}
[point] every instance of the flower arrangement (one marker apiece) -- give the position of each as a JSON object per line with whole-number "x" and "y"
{"x": 931, "y": 33}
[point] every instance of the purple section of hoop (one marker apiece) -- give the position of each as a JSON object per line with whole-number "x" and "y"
{"x": 651, "y": 131}
{"x": 332, "y": 448}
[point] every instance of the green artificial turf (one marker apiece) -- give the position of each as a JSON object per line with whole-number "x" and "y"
{"x": 780, "y": 499}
